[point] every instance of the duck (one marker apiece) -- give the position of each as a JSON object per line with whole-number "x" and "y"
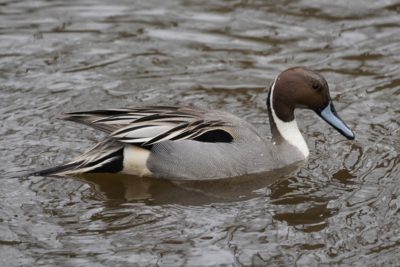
{"x": 188, "y": 143}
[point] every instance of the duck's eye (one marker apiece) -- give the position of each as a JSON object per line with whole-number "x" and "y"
{"x": 316, "y": 86}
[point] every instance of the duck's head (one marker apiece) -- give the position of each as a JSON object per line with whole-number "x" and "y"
{"x": 301, "y": 87}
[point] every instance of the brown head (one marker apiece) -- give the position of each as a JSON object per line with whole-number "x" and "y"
{"x": 300, "y": 87}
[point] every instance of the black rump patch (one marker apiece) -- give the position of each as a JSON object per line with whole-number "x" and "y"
{"x": 215, "y": 136}
{"x": 116, "y": 165}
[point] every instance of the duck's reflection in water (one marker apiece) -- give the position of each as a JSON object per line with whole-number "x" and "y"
{"x": 161, "y": 191}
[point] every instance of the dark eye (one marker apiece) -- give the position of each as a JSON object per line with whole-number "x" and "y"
{"x": 316, "y": 86}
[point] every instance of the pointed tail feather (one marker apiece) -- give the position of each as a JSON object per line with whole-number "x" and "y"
{"x": 106, "y": 156}
{"x": 58, "y": 170}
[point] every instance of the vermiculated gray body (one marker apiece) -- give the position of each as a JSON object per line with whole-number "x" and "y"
{"x": 249, "y": 152}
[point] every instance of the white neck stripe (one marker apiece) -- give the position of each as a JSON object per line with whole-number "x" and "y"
{"x": 288, "y": 130}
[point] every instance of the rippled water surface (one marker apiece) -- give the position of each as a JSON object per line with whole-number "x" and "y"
{"x": 341, "y": 208}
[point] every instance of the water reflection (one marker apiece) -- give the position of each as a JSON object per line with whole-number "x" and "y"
{"x": 160, "y": 191}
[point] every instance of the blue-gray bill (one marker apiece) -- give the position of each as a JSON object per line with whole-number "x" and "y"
{"x": 330, "y": 116}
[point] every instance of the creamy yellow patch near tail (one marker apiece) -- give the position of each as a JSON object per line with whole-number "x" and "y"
{"x": 135, "y": 159}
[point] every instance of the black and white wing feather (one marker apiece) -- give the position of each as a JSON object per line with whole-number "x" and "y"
{"x": 150, "y": 125}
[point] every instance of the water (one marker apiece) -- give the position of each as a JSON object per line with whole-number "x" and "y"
{"x": 341, "y": 208}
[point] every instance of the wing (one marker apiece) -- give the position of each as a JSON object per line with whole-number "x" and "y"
{"x": 149, "y": 125}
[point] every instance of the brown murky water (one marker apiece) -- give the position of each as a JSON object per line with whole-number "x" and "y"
{"x": 341, "y": 208}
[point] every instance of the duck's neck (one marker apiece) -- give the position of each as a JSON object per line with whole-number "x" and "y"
{"x": 285, "y": 131}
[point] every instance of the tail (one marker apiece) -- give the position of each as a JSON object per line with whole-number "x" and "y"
{"x": 106, "y": 156}
{"x": 58, "y": 170}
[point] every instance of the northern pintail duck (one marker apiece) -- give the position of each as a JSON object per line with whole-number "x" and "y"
{"x": 195, "y": 144}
